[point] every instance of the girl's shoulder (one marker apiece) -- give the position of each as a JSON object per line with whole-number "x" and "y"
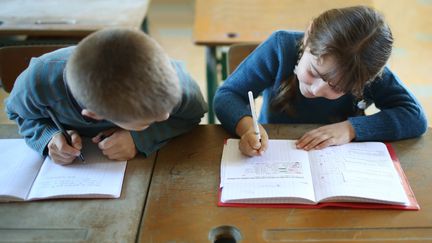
{"x": 386, "y": 78}
{"x": 285, "y": 36}
{"x": 284, "y": 44}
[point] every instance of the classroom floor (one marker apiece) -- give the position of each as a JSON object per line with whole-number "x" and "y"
{"x": 171, "y": 24}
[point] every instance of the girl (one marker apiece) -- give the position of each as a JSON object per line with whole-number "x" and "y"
{"x": 328, "y": 75}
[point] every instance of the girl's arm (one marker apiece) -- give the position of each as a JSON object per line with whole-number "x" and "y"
{"x": 271, "y": 61}
{"x": 401, "y": 115}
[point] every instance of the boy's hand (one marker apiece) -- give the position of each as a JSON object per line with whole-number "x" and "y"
{"x": 322, "y": 137}
{"x": 117, "y": 144}
{"x": 249, "y": 144}
{"x": 61, "y": 152}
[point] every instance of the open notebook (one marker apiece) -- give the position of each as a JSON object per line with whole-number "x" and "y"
{"x": 362, "y": 175}
{"x": 26, "y": 176}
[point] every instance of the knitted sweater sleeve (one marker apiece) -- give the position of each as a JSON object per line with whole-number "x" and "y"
{"x": 184, "y": 117}
{"x": 400, "y": 116}
{"x": 27, "y": 109}
{"x": 255, "y": 73}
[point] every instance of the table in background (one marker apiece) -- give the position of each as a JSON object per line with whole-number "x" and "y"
{"x": 225, "y": 22}
{"x": 83, "y": 220}
{"x": 67, "y": 19}
{"x": 181, "y": 206}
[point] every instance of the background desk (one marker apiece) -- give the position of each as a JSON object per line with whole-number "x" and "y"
{"x": 77, "y": 18}
{"x": 72, "y": 220}
{"x": 181, "y": 206}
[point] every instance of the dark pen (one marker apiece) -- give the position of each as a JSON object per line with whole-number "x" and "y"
{"x": 63, "y": 131}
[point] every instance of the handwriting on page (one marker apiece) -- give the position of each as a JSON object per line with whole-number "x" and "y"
{"x": 75, "y": 175}
{"x": 99, "y": 175}
{"x": 273, "y": 164}
{"x": 281, "y": 171}
{"x": 272, "y": 170}
{"x": 364, "y": 168}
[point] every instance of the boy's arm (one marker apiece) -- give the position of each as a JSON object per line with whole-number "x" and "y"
{"x": 184, "y": 117}
{"x": 400, "y": 116}
{"x": 25, "y": 108}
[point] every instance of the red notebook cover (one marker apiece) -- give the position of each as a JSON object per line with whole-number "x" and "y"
{"x": 413, "y": 204}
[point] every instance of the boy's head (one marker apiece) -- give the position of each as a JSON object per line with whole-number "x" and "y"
{"x": 346, "y": 48}
{"x": 124, "y": 76}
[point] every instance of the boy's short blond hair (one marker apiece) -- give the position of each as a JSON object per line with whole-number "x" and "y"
{"x": 123, "y": 75}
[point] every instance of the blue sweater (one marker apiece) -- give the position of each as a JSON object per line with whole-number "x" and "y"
{"x": 43, "y": 85}
{"x": 400, "y": 115}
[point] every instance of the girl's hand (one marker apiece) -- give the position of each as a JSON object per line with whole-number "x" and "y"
{"x": 322, "y": 137}
{"x": 249, "y": 144}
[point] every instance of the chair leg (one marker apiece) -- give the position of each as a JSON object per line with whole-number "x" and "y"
{"x": 212, "y": 83}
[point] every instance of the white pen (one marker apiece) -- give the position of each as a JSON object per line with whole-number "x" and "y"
{"x": 254, "y": 116}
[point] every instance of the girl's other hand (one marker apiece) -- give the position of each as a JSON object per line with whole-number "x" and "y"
{"x": 322, "y": 137}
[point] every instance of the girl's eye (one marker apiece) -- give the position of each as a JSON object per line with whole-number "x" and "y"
{"x": 331, "y": 85}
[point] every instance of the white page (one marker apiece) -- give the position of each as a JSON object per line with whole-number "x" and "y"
{"x": 98, "y": 177}
{"x": 283, "y": 171}
{"x": 19, "y": 167}
{"x": 362, "y": 170}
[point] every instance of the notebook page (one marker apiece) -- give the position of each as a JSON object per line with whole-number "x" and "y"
{"x": 283, "y": 171}
{"x": 362, "y": 170}
{"x": 19, "y": 167}
{"x": 98, "y": 177}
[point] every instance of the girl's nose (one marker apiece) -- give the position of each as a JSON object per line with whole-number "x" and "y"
{"x": 316, "y": 87}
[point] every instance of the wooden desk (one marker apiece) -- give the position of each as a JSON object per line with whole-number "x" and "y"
{"x": 90, "y": 220}
{"x": 181, "y": 206}
{"x": 68, "y": 18}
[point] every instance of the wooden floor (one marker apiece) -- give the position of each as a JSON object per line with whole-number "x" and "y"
{"x": 171, "y": 21}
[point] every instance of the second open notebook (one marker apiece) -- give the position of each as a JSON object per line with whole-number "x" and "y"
{"x": 353, "y": 175}
{"x": 27, "y": 176}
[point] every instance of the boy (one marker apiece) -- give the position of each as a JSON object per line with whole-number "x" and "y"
{"x": 116, "y": 86}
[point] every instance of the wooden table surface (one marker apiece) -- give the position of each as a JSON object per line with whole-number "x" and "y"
{"x": 70, "y": 18}
{"x": 181, "y": 206}
{"x": 79, "y": 220}
{"x": 225, "y": 22}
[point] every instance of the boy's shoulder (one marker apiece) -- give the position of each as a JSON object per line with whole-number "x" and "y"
{"x": 59, "y": 55}
{"x": 51, "y": 63}
{"x": 178, "y": 64}
{"x": 43, "y": 77}
{"x": 181, "y": 71}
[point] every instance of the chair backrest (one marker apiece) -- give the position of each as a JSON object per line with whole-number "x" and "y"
{"x": 15, "y": 59}
{"x": 237, "y": 53}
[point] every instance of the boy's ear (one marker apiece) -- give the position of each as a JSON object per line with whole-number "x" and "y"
{"x": 91, "y": 114}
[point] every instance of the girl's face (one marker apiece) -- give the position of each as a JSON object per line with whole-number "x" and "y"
{"x": 310, "y": 71}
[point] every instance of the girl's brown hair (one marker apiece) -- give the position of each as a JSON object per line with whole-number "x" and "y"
{"x": 359, "y": 41}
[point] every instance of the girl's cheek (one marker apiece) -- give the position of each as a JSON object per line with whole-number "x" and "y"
{"x": 304, "y": 78}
